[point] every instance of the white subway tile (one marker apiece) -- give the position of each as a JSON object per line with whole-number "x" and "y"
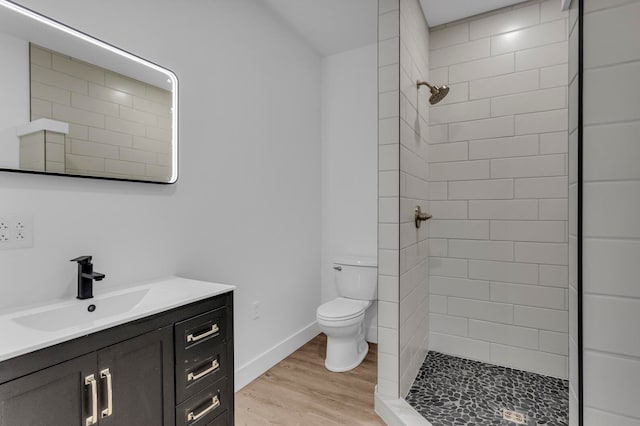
{"x": 146, "y": 144}
{"x": 521, "y": 230}
{"x": 389, "y": 78}
{"x": 136, "y": 116}
{"x": 542, "y": 122}
{"x": 84, "y": 163}
{"x": 385, "y": 6}
{"x": 389, "y": 25}
{"x": 448, "y": 209}
{"x": 447, "y": 324}
{"x": 542, "y": 318}
{"x": 555, "y": 76}
{"x": 94, "y": 105}
{"x": 544, "y": 56}
{"x": 505, "y": 22}
{"x": 602, "y": 46}
{"x": 615, "y": 102}
{"x": 557, "y": 343}
{"x": 94, "y": 149}
{"x": 388, "y": 315}
{"x": 389, "y": 52}
{"x": 554, "y": 275}
{"x": 438, "y": 134}
{"x": 528, "y": 295}
{"x": 520, "y": 103}
{"x": 615, "y": 383}
{"x": 388, "y": 262}
{"x": 388, "y": 210}
{"x": 611, "y": 152}
{"x": 503, "y": 209}
{"x": 503, "y": 147}
{"x": 526, "y": 359}
{"x": 554, "y": 143}
{"x": 611, "y": 267}
{"x": 460, "y": 346}
{"x": 469, "y": 229}
{"x": 554, "y": 209}
{"x": 505, "y": 334}
{"x": 456, "y": 151}
{"x": 610, "y": 324}
{"x": 480, "y": 309}
{"x": 389, "y": 131}
{"x": 550, "y": 10}
{"x": 389, "y": 157}
{"x": 124, "y": 167}
{"x": 388, "y": 104}
{"x": 125, "y": 84}
{"x": 388, "y": 184}
{"x": 459, "y": 287}
{"x": 438, "y": 247}
{"x": 483, "y": 250}
{"x": 41, "y": 108}
{"x": 388, "y": 341}
{"x": 461, "y": 111}
{"x": 539, "y": 35}
{"x": 123, "y": 126}
{"x": 482, "y": 129}
{"x": 135, "y": 155}
{"x": 437, "y": 304}
{"x": 109, "y": 137}
{"x": 449, "y": 36}
{"x": 538, "y": 166}
{"x": 437, "y": 190}
{"x": 504, "y": 84}
{"x": 545, "y": 187}
{"x": 522, "y": 273}
{"x": 50, "y": 93}
{"x": 481, "y": 189}
{"x": 482, "y": 68}
{"x": 459, "y": 170}
{"x": 77, "y": 116}
{"x": 388, "y": 237}
{"x": 388, "y": 288}
{"x": 106, "y": 94}
{"x": 387, "y": 366}
{"x": 601, "y": 220}
{"x": 593, "y": 417}
{"x": 446, "y": 267}
{"x": 38, "y": 56}
{"x": 157, "y": 108}
{"x": 58, "y": 79}
{"x": 548, "y": 253}
{"x": 459, "y": 53}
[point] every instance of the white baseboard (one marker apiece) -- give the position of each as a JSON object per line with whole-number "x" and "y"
{"x": 397, "y": 412}
{"x": 251, "y": 370}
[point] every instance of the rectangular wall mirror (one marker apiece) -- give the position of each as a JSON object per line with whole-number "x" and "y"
{"x": 74, "y": 105}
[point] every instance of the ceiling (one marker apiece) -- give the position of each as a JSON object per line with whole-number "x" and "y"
{"x": 334, "y": 26}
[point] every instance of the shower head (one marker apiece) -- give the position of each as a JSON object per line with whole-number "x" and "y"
{"x": 437, "y": 92}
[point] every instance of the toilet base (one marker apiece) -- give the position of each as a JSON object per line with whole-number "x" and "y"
{"x": 345, "y": 354}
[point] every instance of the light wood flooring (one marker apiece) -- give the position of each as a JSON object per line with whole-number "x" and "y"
{"x": 301, "y": 391}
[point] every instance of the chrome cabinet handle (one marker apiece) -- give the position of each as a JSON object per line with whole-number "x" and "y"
{"x": 194, "y": 338}
{"x": 214, "y": 366}
{"x": 215, "y": 403}
{"x": 106, "y": 374}
{"x": 91, "y": 381}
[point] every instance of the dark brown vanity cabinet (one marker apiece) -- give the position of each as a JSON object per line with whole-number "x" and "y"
{"x": 174, "y": 368}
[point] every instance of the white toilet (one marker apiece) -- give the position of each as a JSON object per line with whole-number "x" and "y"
{"x": 342, "y": 319}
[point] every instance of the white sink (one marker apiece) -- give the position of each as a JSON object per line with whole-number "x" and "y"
{"x": 36, "y": 328}
{"x": 80, "y": 313}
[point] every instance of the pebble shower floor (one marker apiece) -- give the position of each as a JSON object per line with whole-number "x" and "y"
{"x": 452, "y": 391}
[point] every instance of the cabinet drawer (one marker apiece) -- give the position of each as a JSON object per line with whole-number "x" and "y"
{"x": 221, "y": 420}
{"x": 205, "y": 406}
{"x": 207, "y": 329}
{"x": 200, "y": 370}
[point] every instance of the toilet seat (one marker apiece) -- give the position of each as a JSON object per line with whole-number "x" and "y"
{"x": 342, "y": 309}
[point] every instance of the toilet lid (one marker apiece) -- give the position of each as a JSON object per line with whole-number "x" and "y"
{"x": 341, "y": 309}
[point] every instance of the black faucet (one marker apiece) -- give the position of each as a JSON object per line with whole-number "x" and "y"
{"x": 86, "y": 277}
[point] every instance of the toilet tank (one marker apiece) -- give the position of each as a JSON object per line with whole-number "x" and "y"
{"x": 356, "y": 277}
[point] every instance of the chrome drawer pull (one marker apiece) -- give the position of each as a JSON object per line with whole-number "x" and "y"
{"x": 214, "y": 366}
{"x": 106, "y": 374}
{"x": 215, "y": 403}
{"x": 194, "y": 338}
{"x": 91, "y": 381}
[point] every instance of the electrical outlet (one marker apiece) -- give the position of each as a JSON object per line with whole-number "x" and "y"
{"x": 256, "y": 310}
{"x": 16, "y": 232}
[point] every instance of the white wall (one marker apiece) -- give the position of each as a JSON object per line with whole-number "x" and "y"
{"x": 246, "y": 208}
{"x": 498, "y": 189}
{"x": 349, "y": 163}
{"x": 611, "y": 207}
{"x": 14, "y": 86}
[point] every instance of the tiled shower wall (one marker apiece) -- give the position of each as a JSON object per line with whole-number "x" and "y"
{"x": 403, "y": 249}
{"x": 611, "y": 208}
{"x": 498, "y": 189}
{"x": 118, "y": 126}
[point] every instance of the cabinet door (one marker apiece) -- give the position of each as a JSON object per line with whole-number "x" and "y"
{"x": 141, "y": 374}
{"x": 55, "y": 396}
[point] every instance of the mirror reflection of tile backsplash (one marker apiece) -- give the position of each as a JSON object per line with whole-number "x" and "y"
{"x": 118, "y": 126}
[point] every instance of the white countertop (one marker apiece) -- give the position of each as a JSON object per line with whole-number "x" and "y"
{"x": 38, "y": 327}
